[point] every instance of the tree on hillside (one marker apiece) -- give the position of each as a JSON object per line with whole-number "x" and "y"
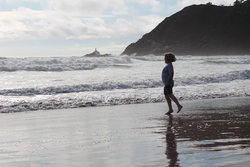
{"x": 238, "y": 2}
{"x": 247, "y": 2}
{"x": 242, "y": 3}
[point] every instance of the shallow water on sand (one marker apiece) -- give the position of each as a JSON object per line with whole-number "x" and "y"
{"x": 207, "y": 133}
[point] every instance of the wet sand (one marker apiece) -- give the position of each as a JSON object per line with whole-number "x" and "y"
{"x": 205, "y": 133}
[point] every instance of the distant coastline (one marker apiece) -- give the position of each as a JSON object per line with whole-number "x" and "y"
{"x": 199, "y": 30}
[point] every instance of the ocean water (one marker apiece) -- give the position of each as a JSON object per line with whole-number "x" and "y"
{"x": 29, "y": 84}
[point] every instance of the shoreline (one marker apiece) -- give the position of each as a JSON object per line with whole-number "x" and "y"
{"x": 90, "y": 105}
{"x": 205, "y": 133}
{"x": 205, "y": 102}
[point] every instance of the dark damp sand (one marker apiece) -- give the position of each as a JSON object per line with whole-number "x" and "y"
{"x": 205, "y": 133}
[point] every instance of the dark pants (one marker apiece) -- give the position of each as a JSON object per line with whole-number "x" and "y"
{"x": 168, "y": 89}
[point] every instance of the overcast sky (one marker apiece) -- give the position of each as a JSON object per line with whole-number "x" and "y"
{"x": 76, "y": 27}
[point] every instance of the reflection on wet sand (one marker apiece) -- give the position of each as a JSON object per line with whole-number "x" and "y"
{"x": 208, "y": 138}
{"x": 171, "y": 150}
{"x": 214, "y": 126}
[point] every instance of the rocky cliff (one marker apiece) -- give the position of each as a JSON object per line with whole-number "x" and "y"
{"x": 199, "y": 30}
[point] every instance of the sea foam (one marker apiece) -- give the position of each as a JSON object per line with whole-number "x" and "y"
{"x": 29, "y": 84}
{"x": 147, "y": 83}
{"x": 60, "y": 64}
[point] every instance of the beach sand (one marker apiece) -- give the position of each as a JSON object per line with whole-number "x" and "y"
{"x": 206, "y": 133}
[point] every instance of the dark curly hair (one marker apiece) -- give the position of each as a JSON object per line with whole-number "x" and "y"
{"x": 170, "y": 57}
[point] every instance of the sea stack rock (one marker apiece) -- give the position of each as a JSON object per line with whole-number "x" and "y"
{"x": 96, "y": 53}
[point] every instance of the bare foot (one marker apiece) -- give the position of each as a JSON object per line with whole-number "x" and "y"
{"x": 179, "y": 108}
{"x": 169, "y": 112}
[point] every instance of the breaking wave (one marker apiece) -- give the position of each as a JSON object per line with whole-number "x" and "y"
{"x": 231, "y": 76}
{"x": 140, "y": 83}
{"x": 80, "y": 88}
{"x": 105, "y": 86}
{"x": 116, "y": 97}
{"x": 60, "y": 64}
